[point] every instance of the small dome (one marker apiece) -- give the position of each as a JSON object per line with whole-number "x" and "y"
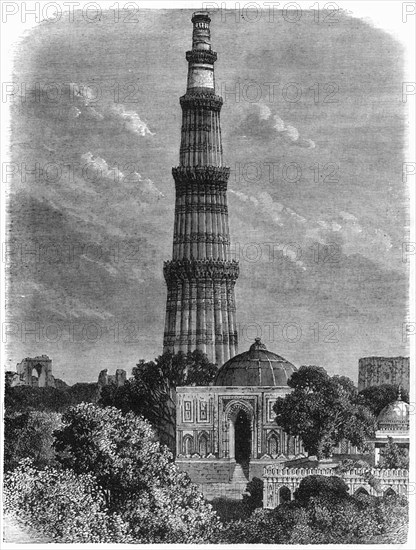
{"x": 255, "y": 367}
{"x": 394, "y": 417}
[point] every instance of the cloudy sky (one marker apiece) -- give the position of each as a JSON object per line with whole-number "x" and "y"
{"x": 313, "y": 130}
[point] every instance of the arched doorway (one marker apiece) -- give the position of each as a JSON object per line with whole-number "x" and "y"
{"x": 242, "y": 437}
{"x": 284, "y": 494}
{"x": 360, "y": 492}
{"x": 35, "y": 375}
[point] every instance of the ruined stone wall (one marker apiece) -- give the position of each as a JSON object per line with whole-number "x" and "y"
{"x": 118, "y": 379}
{"x": 375, "y": 371}
{"x": 36, "y": 371}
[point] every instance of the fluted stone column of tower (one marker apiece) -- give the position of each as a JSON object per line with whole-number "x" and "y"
{"x": 200, "y": 278}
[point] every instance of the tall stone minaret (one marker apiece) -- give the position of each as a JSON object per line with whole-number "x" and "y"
{"x": 200, "y": 308}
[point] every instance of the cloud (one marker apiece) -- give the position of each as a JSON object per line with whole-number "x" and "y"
{"x": 276, "y": 211}
{"x": 344, "y": 230}
{"x": 261, "y": 122}
{"x": 270, "y": 210}
{"x": 132, "y": 121}
{"x": 89, "y": 103}
{"x": 352, "y": 236}
{"x": 85, "y": 97}
{"x": 102, "y": 170}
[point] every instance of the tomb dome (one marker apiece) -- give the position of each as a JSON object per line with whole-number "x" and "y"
{"x": 255, "y": 367}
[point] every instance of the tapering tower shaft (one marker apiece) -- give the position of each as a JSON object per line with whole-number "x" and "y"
{"x": 200, "y": 278}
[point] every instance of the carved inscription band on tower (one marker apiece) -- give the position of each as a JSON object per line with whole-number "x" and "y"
{"x": 200, "y": 309}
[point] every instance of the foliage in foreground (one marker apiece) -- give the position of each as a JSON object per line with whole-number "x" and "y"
{"x": 61, "y": 504}
{"x": 321, "y": 520}
{"x": 30, "y": 435}
{"x": 135, "y": 474}
{"x": 232, "y": 510}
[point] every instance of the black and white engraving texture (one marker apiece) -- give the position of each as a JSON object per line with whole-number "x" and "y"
{"x": 177, "y": 186}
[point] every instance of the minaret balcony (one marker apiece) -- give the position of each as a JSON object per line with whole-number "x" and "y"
{"x": 192, "y": 269}
{"x": 201, "y": 98}
{"x": 201, "y": 56}
{"x": 200, "y": 174}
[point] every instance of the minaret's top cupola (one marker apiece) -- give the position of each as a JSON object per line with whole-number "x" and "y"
{"x": 201, "y": 37}
{"x": 201, "y": 58}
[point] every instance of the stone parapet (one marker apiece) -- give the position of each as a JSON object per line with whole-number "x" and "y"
{"x": 281, "y": 483}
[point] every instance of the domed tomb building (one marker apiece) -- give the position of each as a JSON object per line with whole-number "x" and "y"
{"x": 230, "y": 426}
{"x": 392, "y": 422}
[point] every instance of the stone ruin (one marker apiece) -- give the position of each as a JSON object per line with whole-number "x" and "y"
{"x": 33, "y": 371}
{"x": 117, "y": 379}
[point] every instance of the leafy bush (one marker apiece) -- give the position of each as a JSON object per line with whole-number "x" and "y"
{"x": 393, "y": 456}
{"x": 322, "y": 520}
{"x": 136, "y": 475}
{"x": 254, "y": 499}
{"x": 30, "y": 435}
{"x": 318, "y": 485}
{"x": 263, "y": 526}
{"x": 229, "y": 509}
{"x": 63, "y": 505}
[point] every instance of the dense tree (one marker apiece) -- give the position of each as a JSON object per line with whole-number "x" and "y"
{"x": 30, "y": 435}
{"x": 232, "y": 510}
{"x": 378, "y": 397}
{"x": 65, "y": 506}
{"x": 136, "y": 475}
{"x": 321, "y": 486}
{"x": 324, "y": 519}
{"x": 323, "y": 410}
{"x": 393, "y": 456}
{"x": 29, "y": 398}
{"x": 152, "y": 390}
{"x": 253, "y": 497}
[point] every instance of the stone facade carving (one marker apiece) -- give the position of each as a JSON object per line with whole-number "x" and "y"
{"x": 374, "y": 371}
{"x": 207, "y": 431}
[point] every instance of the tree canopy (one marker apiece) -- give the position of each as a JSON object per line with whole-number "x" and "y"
{"x": 323, "y": 410}
{"x": 331, "y": 487}
{"x": 152, "y": 390}
{"x": 136, "y": 475}
{"x": 30, "y": 398}
{"x": 67, "y": 507}
{"x": 30, "y": 435}
{"x": 323, "y": 519}
{"x": 393, "y": 456}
